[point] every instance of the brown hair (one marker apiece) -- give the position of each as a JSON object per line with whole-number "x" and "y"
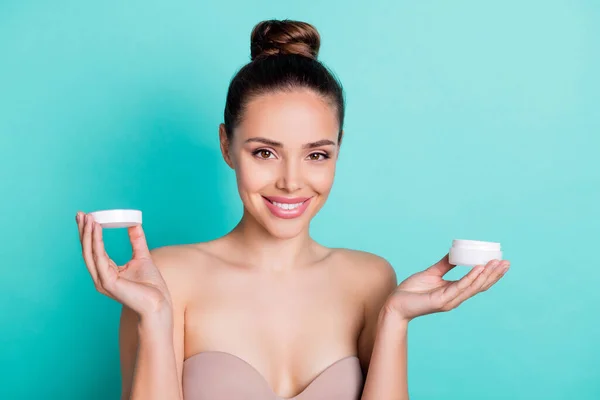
{"x": 283, "y": 57}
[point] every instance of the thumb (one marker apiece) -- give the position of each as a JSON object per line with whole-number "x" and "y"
{"x": 138, "y": 242}
{"x": 441, "y": 267}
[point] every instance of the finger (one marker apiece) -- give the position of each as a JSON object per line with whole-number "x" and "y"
{"x": 442, "y": 267}
{"x": 498, "y": 273}
{"x": 138, "y": 242}
{"x": 488, "y": 273}
{"x": 451, "y": 291}
{"x": 86, "y": 248}
{"x": 80, "y": 225}
{"x": 101, "y": 258}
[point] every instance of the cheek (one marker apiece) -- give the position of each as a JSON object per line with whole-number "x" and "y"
{"x": 252, "y": 176}
{"x": 322, "y": 178}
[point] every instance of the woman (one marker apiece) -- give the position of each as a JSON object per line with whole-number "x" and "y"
{"x": 265, "y": 312}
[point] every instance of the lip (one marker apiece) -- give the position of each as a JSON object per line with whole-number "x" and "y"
{"x": 286, "y": 214}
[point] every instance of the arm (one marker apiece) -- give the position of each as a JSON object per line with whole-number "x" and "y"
{"x": 151, "y": 329}
{"x": 423, "y": 293}
{"x": 387, "y": 374}
{"x": 151, "y": 349}
{"x": 382, "y": 342}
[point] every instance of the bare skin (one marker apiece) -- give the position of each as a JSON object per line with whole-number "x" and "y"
{"x": 299, "y": 320}
{"x": 267, "y": 292}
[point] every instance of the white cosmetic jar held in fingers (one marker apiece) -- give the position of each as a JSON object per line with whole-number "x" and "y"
{"x": 473, "y": 252}
{"x": 118, "y": 218}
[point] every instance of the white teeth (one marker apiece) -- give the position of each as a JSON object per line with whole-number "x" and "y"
{"x": 286, "y": 206}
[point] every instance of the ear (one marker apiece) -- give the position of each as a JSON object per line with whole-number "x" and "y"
{"x": 225, "y": 145}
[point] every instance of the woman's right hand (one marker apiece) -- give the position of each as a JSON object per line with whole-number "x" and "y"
{"x": 138, "y": 284}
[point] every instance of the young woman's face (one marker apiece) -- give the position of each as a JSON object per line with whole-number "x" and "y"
{"x": 284, "y": 153}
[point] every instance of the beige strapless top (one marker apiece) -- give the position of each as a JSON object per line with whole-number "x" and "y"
{"x": 215, "y": 375}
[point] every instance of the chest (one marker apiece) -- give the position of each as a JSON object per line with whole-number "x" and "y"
{"x": 282, "y": 315}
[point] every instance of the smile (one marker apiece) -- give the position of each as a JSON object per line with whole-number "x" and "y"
{"x": 287, "y": 208}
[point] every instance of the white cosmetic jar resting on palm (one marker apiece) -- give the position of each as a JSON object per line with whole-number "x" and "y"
{"x": 474, "y": 252}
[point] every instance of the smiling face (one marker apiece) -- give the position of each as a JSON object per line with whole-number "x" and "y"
{"x": 284, "y": 152}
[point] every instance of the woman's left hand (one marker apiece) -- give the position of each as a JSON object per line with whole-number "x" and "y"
{"x": 426, "y": 292}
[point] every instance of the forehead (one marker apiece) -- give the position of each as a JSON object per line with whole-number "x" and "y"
{"x": 291, "y": 117}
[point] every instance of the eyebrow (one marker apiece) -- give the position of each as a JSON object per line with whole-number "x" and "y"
{"x": 269, "y": 142}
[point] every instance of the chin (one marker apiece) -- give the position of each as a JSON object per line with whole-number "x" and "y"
{"x": 285, "y": 229}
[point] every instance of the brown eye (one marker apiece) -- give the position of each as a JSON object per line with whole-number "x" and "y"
{"x": 265, "y": 153}
{"x": 317, "y": 157}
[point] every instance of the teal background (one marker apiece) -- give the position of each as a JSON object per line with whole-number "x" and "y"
{"x": 465, "y": 119}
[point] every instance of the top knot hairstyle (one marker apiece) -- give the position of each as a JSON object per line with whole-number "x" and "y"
{"x": 284, "y": 37}
{"x": 283, "y": 57}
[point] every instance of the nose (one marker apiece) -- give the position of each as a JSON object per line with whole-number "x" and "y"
{"x": 290, "y": 176}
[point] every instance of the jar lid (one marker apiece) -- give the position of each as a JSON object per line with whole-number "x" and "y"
{"x": 475, "y": 244}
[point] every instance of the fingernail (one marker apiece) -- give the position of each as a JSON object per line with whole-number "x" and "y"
{"x": 495, "y": 263}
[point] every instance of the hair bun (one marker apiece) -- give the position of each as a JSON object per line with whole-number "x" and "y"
{"x": 284, "y": 37}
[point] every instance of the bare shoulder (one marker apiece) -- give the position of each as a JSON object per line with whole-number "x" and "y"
{"x": 179, "y": 265}
{"x": 175, "y": 259}
{"x": 171, "y": 257}
{"x": 369, "y": 271}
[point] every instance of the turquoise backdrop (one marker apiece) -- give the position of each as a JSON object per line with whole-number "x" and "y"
{"x": 465, "y": 119}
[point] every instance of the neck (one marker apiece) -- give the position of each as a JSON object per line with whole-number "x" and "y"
{"x": 262, "y": 250}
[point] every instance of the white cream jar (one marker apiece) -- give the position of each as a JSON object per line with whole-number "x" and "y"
{"x": 473, "y": 252}
{"x": 119, "y": 218}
